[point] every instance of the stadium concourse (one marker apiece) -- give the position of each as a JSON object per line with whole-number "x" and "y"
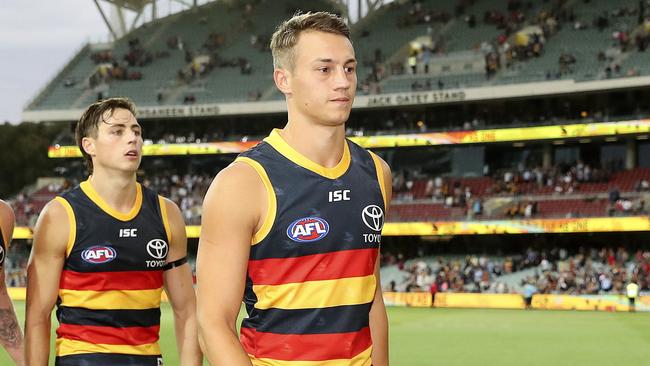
{"x": 517, "y": 133}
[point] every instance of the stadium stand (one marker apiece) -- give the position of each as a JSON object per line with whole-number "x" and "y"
{"x": 189, "y": 57}
{"x": 552, "y": 271}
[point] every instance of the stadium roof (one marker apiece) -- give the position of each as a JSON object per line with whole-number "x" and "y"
{"x": 117, "y": 24}
{"x": 135, "y": 5}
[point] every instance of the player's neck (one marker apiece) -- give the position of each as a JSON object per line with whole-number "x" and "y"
{"x": 321, "y": 144}
{"x": 117, "y": 190}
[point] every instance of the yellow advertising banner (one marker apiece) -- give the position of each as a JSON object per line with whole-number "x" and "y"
{"x": 588, "y": 302}
{"x": 536, "y": 226}
{"x": 556, "y": 132}
{"x": 211, "y": 148}
{"x": 22, "y": 232}
{"x": 412, "y": 299}
{"x": 495, "y": 227}
{"x": 580, "y": 130}
{"x": 479, "y": 301}
{"x": 17, "y": 293}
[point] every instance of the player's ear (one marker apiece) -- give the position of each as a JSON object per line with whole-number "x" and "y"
{"x": 88, "y": 144}
{"x": 282, "y": 78}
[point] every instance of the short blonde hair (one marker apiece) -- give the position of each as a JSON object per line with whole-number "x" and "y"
{"x": 285, "y": 37}
{"x": 88, "y": 124}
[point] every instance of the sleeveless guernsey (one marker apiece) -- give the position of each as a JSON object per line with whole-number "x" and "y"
{"x": 310, "y": 281}
{"x": 110, "y": 287}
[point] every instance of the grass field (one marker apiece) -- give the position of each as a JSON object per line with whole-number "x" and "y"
{"x": 453, "y": 337}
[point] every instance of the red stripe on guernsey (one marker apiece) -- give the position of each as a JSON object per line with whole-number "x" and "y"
{"x": 106, "y": 281}
{"x": 305, "y": 347}
{"x": 131, "y": 336}
{"x": 315, "y": 267}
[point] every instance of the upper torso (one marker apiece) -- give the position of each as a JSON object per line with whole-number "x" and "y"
{"x": 310, "y": 281}
{"x": 111, "y": 282}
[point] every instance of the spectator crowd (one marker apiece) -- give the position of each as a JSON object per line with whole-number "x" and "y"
{"x": 588, "y": 271}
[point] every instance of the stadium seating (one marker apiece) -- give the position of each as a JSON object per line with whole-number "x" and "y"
{"x": 389, "y": 29}
{"x": 589, "y": 271}
{"x": 27, "y": 209}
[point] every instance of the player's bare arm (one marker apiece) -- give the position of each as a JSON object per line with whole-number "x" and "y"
{"x": 11, "y": 336}
{"x": 231, "y": 214}
{"x": 378, "y": 317}
{"x": 179, "y": 289}
{"x": 44, "y": 268}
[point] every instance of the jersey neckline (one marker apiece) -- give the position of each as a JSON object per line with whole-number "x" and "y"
{"x": 89, "y": 190}
{"x": 279, "y": 144}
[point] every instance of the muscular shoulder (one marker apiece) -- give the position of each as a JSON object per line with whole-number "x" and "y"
{"x": 240, "y": 174}
{"x": 236, "y": 194}
{"x": 237, "y": 182}
{"x": 7, "y": 220}
{"x": 170, "y": 206}
{"x": 384, "y": 168}
{"x": 54, "y": 224}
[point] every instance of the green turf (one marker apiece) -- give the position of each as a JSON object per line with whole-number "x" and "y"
{"x": 493, "y": 337}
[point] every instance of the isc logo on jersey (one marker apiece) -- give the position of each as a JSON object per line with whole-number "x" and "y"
{"x": 99, "y": 254}
{"x": 308, "y": 229}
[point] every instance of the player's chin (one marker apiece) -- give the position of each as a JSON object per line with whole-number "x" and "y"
{"x": 339, "y": 118}
{"x": 130, "y": 166}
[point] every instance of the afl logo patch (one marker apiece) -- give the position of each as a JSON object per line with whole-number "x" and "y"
{"x": 373, "y": 217}
{"x": 308, "y": 229}
{"x": 99, "y": 254}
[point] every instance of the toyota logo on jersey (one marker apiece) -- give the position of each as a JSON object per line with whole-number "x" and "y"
{"x": 157, "y": 248}
{"x": 373, "y": 217}
{"x": 308, "y": 229}
{"x": 99, "y": 254}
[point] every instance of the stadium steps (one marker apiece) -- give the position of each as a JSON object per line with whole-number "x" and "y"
{"x": 583, "y": 44}
{"x": 56, "y": 95}
{"x": 392, "y": 273}
{"x": 513, "y": 280}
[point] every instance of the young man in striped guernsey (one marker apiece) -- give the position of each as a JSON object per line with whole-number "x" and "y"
{"x": 103, "y": 252}
{"x": 10, "y": 336}
{"x": 293, "y": 226}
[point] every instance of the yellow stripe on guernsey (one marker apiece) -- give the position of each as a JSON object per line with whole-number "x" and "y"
{"x": 380, "y": 176}
{"x": 316, "y": 294}
{"x": 113, "y": 299}
{"x": 362, "y": 359}
{"x": 72, "y": 234}
{"x": 165, "y": 218}
{"x": 271, "y": 200}
{"x": 67, "y": 347}
{"x": 278, "y": 143}
{"x": 88, "y": 189}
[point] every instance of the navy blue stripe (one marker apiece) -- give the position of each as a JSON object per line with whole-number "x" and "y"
{"x": 337, "y": 319}
{"x": 104, "y": 359}
{"x": 109, "y": 318}
{"x": 286, "y": 248}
